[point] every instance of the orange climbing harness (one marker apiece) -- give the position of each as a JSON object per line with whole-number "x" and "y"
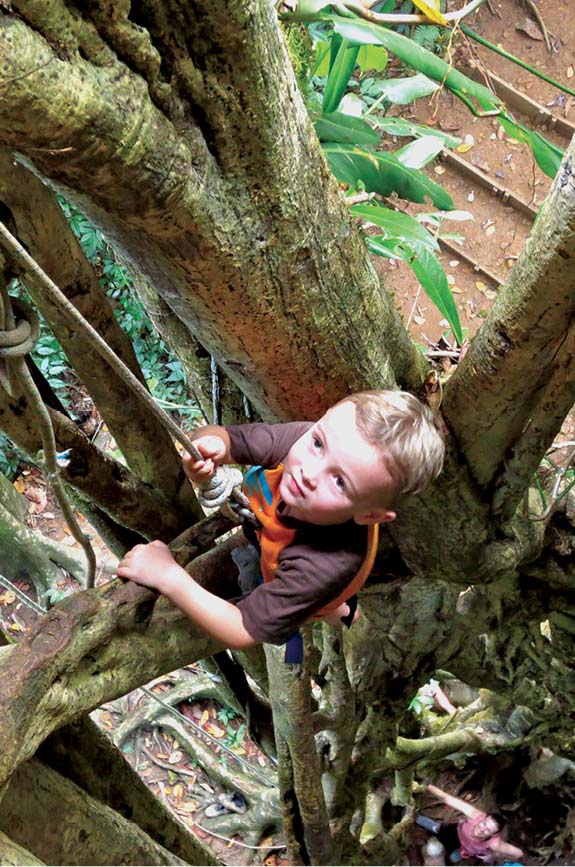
{"x": 261, "y": 487}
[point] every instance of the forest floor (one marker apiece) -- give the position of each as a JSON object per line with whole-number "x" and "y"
{"x": 476, "y": 269}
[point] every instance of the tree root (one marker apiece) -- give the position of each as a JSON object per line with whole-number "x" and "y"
{"x": 189, "y": 684}
{"x": 264, "y": 810}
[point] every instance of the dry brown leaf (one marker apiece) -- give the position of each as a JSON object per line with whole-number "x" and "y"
{"x": 531, "y": 29}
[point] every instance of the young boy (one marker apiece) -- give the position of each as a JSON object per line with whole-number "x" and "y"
{"x": 318, "y": 491}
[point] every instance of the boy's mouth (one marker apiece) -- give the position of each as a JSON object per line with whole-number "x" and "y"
{"x": 293, "y": 487}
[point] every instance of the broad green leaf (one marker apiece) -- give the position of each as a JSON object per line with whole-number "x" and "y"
{"x": 382, "y": 246}
{"x": 402, "y": 91}
{"x": 434, "y": 283}
{"x": 382, "y": 173}
{"x": 420, "y": 152}
{"x": 343, "y": 61}
{"x": 322, "y": 60}
{"x": 547, "y": 155}
{"x": 365, "y": 33}
{"x": 400, "y": 127}
{"x": 397, "y": 226}
{"x": 341, "y": 127}
{"x": 372, "y": 57}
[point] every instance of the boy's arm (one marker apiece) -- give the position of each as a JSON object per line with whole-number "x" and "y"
{"x": 451, "y": 801}
{"x": 153, "y": 566}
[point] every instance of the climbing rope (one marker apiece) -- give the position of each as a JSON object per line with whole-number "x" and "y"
{"x": 225, "y": 479}
{"x": 17, "y": 338}
{"x": 220, "y": 487}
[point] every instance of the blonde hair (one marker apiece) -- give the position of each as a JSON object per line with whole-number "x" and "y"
{"x": 404, "y": 429}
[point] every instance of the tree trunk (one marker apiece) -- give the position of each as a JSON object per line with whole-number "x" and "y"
{"x": 243, "y": 231}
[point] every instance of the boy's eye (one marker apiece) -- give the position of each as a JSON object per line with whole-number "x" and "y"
{"x": 316, "y": 442}
{"x": 340, "y": 483}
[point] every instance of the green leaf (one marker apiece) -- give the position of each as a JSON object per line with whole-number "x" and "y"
{"x": 383, "y": 173}
{"x": 381, "y": 246}
{"x": 420, "y": 152}
{"x": 396, "y": 225}
{"x": 402, "y": 91}
{"x": 323, "y": 62}
{"x": 434, "y": 283}
{"x": 343, "y": 61}
{"x": 341, "y": 127}
{"x": 547, "y": 155}
{"x": 372, "y": 57}
{"x": 364, "y": 33}
{"x": 400, "y": 127}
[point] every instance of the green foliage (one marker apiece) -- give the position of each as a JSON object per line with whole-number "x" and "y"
{"x": 343, "y": 58}
{"x": 350, "y": 131}
{"x": 225, "y": 714}
{"x": 431, "y": 37}
{"x": 405, "y": 238}
{"x": 163, "y": 372}
{"x": 384, "y": 174}
{"x": 10, "y": 457}
{"x": 346, "y": 122}
{"x": 301, "y": 52}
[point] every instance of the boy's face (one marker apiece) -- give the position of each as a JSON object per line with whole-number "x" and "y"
{"x": 333, "y": 474}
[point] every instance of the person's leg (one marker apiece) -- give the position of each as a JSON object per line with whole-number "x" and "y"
{"x": 431, "y": 825}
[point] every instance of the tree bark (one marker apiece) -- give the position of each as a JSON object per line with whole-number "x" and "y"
{"x": 61, "y": 824}
{"x": 43, "y": 229}
{"x": 224, "y": 140}
{"x": 85, "y": 756}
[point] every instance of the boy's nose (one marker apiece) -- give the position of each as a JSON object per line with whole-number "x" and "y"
{"x": 309, "y": 477}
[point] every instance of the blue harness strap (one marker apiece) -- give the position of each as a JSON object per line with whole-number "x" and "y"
{"x": 294, "y": 649}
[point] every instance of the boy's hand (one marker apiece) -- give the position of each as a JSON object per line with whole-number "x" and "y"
{"x": 334, "y": 617}
{"x": 149, "y": 565}
{"x": 213, "y": 449}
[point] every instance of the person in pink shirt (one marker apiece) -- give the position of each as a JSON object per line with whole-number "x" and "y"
{"x": 479, "y": 833}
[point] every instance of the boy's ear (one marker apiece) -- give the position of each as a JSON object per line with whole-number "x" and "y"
{"x": 375, "y": 516}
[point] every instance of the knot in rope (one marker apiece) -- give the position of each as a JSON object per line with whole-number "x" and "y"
{"x": 19, "y": 341}
{"x": 220, "y": 487}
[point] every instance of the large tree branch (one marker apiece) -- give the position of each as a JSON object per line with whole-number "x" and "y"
{"x": 93, "y": 763}
{"x": 49, "y": 814}
{"x": 44, "y": 230}
{"x": 178, "y": 195}
{"x": 306, "y": 818}
{"x": 93, "y": 646}
{"x": 106, "y": 482}
{"x": 522, "y": 347}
